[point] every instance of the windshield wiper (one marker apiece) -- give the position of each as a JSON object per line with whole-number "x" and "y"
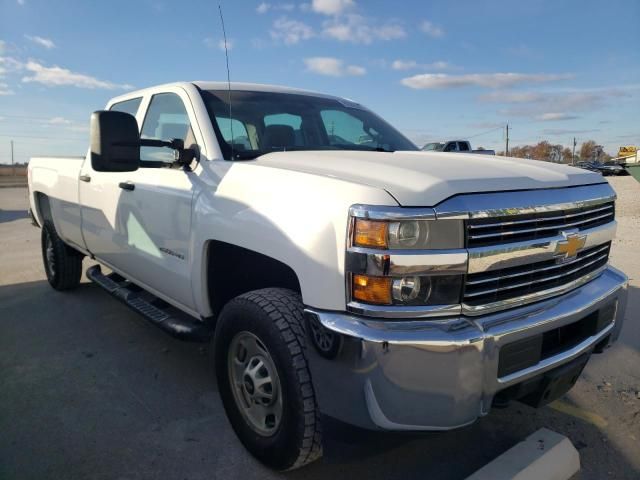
{"x": 381, "y": 149}
{"x": 253, "y": 154}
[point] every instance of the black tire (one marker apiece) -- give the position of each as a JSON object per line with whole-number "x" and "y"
{"x": 62, "y": 264}
{"x": 275, "y": 317}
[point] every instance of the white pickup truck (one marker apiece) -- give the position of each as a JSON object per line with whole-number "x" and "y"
{"x": 338, "y": 271}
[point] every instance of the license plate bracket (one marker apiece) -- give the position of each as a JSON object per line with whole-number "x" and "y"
{"x": 555, "y": 383}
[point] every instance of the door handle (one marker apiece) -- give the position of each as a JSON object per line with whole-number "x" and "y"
{"x": 127, "y": 186}
{"x": 85, "y": 178}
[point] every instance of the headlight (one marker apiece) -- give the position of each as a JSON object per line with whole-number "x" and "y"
{"x": 404, "y": 262}
{"x": 407, "y": 291}
{"x": 408, "y": 234}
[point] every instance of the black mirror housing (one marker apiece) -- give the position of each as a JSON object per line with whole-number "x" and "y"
{"x": 115, "y": 142}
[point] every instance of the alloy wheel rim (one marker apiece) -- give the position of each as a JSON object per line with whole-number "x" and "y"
{"x": 51, "y": 259}
{"x": 255, "y": 383}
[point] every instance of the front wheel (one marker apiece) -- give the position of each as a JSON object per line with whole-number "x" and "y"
{"x": 264, "y": 378}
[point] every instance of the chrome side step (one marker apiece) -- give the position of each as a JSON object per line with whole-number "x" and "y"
{"x": 168, "y": 318}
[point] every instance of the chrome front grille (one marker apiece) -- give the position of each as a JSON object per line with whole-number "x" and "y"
{"x": 534, "y": 280}
{"x": 516, "y": 228}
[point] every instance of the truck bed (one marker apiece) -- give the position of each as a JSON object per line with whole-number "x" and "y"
{"x": 57, "y": 177}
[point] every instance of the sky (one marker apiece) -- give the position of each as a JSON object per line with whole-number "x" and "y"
{"x": 437, "y": 70}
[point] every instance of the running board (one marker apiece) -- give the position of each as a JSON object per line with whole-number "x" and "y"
{"x": 168, "y": 318}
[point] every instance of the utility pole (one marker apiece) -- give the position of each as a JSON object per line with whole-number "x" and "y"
{"x": 13, "y": 170}
{"x": 573, "y": 156}
{"x": 506, "y": 149}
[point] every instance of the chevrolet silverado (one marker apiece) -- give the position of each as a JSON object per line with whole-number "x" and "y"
{"x": 337, "y": 271}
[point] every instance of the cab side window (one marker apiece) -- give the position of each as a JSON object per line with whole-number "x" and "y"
{"x": 451, "y": 147}
{"x": 166, "y": 119}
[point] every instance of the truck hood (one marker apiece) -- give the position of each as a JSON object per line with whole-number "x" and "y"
{"x": 424, "y": 179}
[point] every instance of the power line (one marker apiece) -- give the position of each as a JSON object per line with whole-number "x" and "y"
{"x": 42, "y": 137}
{"x": 26, "y": 117}
{"x": 484, "y": 133}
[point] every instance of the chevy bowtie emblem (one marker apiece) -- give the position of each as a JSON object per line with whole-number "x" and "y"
{"x": 570, "y": 246}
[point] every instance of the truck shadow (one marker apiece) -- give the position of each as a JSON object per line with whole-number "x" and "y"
{"x": 11, "y": 215}
{"x": 114, "y": 394}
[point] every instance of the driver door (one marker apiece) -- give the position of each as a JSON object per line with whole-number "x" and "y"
{"x": 156, "y": 212}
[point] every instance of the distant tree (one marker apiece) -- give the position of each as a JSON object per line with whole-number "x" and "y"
{"x": 546, "y": 151}
{"x": 520, "y": 152}
{"x": 555, "y": 154}
{"x": 541, "y": 151}
{"x": 588, "y": 150}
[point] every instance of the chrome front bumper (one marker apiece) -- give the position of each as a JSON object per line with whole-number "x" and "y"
{"x": 441, "y": 374}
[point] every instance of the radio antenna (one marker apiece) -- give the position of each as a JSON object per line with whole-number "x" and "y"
{"x": 226, "y": 54}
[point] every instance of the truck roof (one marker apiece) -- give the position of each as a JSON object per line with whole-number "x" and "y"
{"x": 222, "y": 85}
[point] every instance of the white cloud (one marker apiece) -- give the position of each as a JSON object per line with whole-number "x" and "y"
{"x": 357, "y": 29}
{"x": 355, "y": 70}
{"x": 290, "y": 31}
{"x": 5, "y": 90}
{"x": 219, "y": 44}
{"x": 9, "y": 64}
{"x": 556, "y": 104}
{"x": 487, "y": 80}
{"x": 563, "y": 131}
{"x": 332, "y": 67}
{"x": 66, "y": 124}
{"x": 412, "y": 64}
{"x": 264, "y": 7}
{"x": 43, "y": 42}
{"x": 511, "y": 97}
{"x": 21, "y": 2}
{"x": 331, "y": 7}
{"x": 2, "y": 47}
{"x": 59, "y": 121}
{"x": 404, "y": 64}
{"x": 555, "y": 116}
{"x": 431, "y": 29}
{"x": 56, "y": 76}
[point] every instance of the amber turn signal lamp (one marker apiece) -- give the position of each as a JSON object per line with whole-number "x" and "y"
{"x": 370, "y": 233}
{"x": 372, "y": 289}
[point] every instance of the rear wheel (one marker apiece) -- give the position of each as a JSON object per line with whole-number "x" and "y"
{"x": 62, "y": 264}
{"x": 264, "y": 379}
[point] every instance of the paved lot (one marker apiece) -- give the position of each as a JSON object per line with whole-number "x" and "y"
{"x": 89, "y": 390}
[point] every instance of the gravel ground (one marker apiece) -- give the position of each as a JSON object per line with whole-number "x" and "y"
{"x": 88, "y": 390}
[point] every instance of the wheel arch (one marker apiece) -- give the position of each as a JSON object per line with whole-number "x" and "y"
{"x": 42, "y": 208}
{"x": 232, "y": 270}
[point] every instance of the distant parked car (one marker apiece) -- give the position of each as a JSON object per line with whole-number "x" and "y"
{"x": 615, "y": 168}
{"x": 587, "y": 166}
{"x": 606, "y": 169}
{"x": 463, "y": 146}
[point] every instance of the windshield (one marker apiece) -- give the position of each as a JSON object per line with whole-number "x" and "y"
{"x": 438, "y": 147}
{"x": 264, "y": 122}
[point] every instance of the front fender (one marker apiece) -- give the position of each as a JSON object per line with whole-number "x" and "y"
{"x": 296, "y": 218}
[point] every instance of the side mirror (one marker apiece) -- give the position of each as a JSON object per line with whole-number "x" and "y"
{"x": 115, "y": 142}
